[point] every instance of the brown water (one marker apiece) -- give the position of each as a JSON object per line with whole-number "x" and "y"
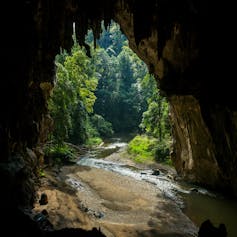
{"x": 201, "y": 207}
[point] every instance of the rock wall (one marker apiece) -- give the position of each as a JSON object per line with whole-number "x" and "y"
{"x": 24, "y": 122}
{"x": 204, "y": 142}
{"x": 194, "y": 150}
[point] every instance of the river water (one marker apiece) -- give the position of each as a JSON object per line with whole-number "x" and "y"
{"x": 197, "y": 203}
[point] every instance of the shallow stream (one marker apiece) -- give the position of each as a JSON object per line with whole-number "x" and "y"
{"x": 197, "y": 203}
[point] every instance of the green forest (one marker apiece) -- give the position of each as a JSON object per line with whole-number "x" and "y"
{"x": 109, "y": 93}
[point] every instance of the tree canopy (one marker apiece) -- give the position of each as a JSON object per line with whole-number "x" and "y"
{"x": 109, "y": 92}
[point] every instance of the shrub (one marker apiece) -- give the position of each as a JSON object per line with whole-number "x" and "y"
{"x": 58, "y": 154}
{"x": 145, "y": 148}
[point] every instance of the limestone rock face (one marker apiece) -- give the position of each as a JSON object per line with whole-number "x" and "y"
{"x": 204, "y": 142}
{"x": 194, "y": 150}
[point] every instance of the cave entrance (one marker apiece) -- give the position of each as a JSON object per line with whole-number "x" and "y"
{"x": 205, "y": 121}
{"x": 110, "y": 93}
{"x": 98, "y": 105}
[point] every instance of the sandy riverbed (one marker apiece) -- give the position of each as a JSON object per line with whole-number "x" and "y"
{"x": 120, "y": 205}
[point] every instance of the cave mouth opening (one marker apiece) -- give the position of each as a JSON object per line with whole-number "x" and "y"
{"x": 111, "y": 92}
{"x": 99, "y": 99}
{"x": 204, "y": 121}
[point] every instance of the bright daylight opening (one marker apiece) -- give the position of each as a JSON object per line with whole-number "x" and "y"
{"x": 108, "y": 157}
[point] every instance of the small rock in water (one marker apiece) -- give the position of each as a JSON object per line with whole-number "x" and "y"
{"x": 177, "y": 178}
{"x": 156, "y": 172}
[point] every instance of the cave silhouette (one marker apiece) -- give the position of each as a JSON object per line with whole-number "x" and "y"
{"x": 187, "y": 45}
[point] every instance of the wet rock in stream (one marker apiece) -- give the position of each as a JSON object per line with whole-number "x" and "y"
{"x": 156, "y": 172}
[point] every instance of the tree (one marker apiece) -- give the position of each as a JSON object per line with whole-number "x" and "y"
{"x": 73, "y": 97}
{"x": 119, "y": 97}
{"x": 155, "y": 121}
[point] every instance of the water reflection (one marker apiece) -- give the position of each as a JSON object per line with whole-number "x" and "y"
{"x": 199, "y": 207}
